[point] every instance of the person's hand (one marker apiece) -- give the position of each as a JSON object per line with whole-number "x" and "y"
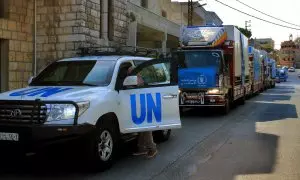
{"x": 140, "y": 80}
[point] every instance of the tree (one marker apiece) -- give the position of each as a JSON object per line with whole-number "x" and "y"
{"x": 297, "y": 41}
{"x": 246, "y": 32}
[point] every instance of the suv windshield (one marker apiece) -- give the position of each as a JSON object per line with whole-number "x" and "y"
{"x": 76, "y": 73}
{"x": 195, "y": 59}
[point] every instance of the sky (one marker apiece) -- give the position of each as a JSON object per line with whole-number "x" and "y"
{"x": 287, "y": 10}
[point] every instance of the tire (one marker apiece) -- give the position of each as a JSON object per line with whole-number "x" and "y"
{"x": 181, "y": 112}
{"x": 162, "y": 135}
{"x": 242, "y": 100}
{"x": 103, "y": 147}
{"x": 226, "y": 108}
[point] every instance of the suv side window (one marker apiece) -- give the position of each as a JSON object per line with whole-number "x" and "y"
{"x": 156, "y": 74}
{"x": 122, "y": 74}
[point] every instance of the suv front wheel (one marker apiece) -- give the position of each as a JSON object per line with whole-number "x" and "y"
{"x": 104, "y": 146}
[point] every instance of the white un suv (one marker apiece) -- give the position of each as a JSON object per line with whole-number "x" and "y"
{"x": 91, "y": 96}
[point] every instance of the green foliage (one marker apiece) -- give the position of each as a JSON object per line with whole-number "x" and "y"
{"x": 246, "y": 32}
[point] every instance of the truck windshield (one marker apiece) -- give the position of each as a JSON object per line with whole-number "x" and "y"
{"x": 194, "y": 59}
{"x": 76, "y": 73}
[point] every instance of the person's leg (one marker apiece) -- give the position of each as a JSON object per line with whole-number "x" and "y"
{"x": 150, "y": 144}
{"x": 141, "y": 145}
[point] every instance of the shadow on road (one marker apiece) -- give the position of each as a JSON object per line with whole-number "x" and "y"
{"x": 240, "y": 150}
{"x": 228, "y": 152}
{"x": 278, "y": 97}
{"x": 54, "y": 164}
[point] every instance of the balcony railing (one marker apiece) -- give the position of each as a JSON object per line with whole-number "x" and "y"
{"x": 153, "y": 20}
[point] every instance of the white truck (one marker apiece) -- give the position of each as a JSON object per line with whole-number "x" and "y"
{"x": 91, "y": 98}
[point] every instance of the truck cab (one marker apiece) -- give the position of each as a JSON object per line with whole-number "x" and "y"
{"x": 213, "y": 69}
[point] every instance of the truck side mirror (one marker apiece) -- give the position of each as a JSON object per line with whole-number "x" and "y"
{"x": 130, "y": 81}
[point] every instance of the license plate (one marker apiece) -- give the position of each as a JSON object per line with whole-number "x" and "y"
{"x": 9, "y": 136}
{"x": 193, "y": 98}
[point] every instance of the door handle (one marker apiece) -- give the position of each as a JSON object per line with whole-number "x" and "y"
{"x": 170, "y": 96}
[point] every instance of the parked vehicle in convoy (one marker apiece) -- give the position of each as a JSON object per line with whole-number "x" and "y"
{"x": 91, "y": 98}
{"x": 291, "y": 69}
{"x": 282, "y": 75}
{"x": 213, "y": 67}
{"x": 271, "y": 73}
{"x": 256, "y": 70}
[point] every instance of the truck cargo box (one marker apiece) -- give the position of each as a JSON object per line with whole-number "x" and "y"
{"x": 203, "y": 36}
{"x": 257, "y": 65}
{"x": 241, "y": 58}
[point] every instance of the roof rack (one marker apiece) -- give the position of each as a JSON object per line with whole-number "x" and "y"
{"x": 118, "y": 50}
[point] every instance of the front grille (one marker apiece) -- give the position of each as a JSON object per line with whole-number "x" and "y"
{"x": 25, "y": 112}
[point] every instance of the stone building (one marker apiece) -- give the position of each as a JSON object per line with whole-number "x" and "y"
{"x": 297, "y": 42}
{"x": 34, "y": 33}
{"x": 16, "y": 42}
{"x": 61, "y": 27}
{"x": 288, "y": 53}
{"x": 157, "y": 22}
{"x": 266, "y": 44}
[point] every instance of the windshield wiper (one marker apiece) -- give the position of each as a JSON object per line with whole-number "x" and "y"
{"x": 87, "y": 84}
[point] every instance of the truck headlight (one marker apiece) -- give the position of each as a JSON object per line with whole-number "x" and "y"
{"x": 214, "y": 91}
{"x": 58, "y": 112}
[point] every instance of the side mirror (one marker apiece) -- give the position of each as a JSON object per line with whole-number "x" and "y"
{"x": 130, "y": 81}
{"x": 30, "y": 79}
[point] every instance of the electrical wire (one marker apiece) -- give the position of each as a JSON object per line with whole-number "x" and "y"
{"x": 266, "y": 14}
{"x": 257, "y": 17}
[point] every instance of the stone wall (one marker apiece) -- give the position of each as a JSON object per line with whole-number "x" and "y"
{"x": 17, "y": 29}
{"x": 65, "y": 25}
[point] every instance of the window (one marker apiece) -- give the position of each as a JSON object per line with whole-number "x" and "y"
{"x": 144, "y": 3}
{"x": 156, "y": 74}
{"x": 200, "y": 59}
{"x": 110, "y": 19}
{"x": 76, "y": 73}
{"x": 163, "y": 13}
{"x": 101, "y": 18}
{"x": 3, "y": 65}
{"x": 3, "y": 9}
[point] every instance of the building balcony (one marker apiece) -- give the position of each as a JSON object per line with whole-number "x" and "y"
{"x": 149, "y": 19}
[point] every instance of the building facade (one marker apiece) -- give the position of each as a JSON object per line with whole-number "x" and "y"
{"x": 34, "y": 33}
{"x": 288, "y": 53}
{"x": 297, "y": 61}
{"x": 266, "y": 44}
{"x": 16, "y": 43}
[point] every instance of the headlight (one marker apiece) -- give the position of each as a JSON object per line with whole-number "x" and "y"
{"x": 214, "y": 91}
{"x": 58, "y": 112}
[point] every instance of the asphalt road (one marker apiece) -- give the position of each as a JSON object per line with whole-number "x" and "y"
{"x": 259, "y": 140}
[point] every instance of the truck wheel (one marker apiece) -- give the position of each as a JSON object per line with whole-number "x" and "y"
{"x": 103, "y": 147}
{"x": 242, "y": 100}
{"x": 162, "y": 135}
{"x": 226, "y": 108}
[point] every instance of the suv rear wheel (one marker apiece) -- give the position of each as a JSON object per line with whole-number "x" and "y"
{"x": 162, "y": 135}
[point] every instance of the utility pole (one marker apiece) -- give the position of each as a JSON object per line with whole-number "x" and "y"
{"x": 191, "y": 11}
{"x": 247, "y": 25}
